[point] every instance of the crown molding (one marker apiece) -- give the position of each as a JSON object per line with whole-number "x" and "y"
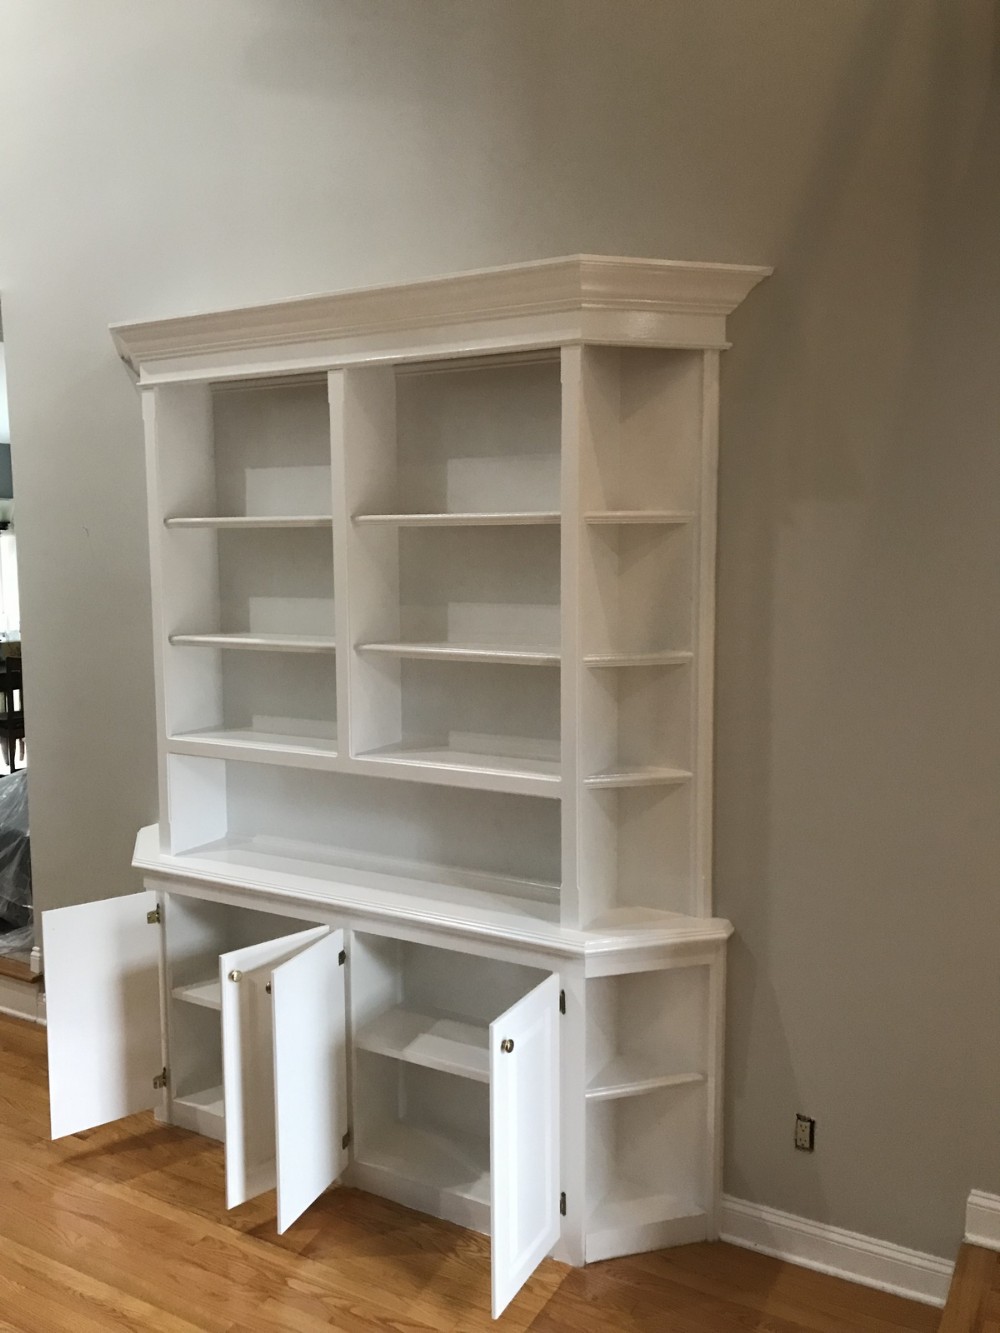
{"x": 653, "y": 301}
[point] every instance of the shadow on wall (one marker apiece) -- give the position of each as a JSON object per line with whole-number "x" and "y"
{"x": 831, "y": 395}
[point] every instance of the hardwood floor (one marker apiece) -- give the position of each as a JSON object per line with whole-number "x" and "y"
{"x": 974, "y": 1299}
{"x": 125, "y": 1228}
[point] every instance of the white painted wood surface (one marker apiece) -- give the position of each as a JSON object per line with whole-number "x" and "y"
{"x": 524, "y": 1139}
{"x": 508, "y": 519}
{"x": 248, "y": 1062}
{"x": 309, "y": 1007}
{"x": 278, "y": 643}
{"x": 369, "y": 512}
{"x": 251, "y": 521}
{"x": 102, "y": 962}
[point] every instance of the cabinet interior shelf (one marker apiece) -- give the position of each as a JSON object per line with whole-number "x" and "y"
{"x": 389, "y": 880}
{"x": 207, "y": 994}
{"x": 525, "y": 655}
{"x": 508, "y": 518}
{"x": 629, "y": 1205}
{"x": 544, "y": 770}
{"x": 648, "y": 776}
{"x": 445, "y": 1044}
{"x": 614, "y": 660}
{"x": 408, "y": 1151}
{"x": 208, "y": 1102}
{"x": 265, "y": 744}
{"x": 629, "y": 1076}
{"x": 244, "y": 521}
{"x": 280, "y": 643}
{"x": 645, "y": 517}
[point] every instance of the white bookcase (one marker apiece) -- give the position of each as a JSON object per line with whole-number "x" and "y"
{"x": 428, "y": 907}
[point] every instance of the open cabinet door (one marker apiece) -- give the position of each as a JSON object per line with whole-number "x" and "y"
{"x": 309, "y": 1001}
{"x": 102, "y": 992}
{"x": 248, "y": 1062}
{"x": 524, "y": 1139}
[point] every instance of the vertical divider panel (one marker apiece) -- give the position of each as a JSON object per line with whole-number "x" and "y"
{"x": 595, "y": 813}
{"x": 571, "y": 633}
{"x": 180, "y": 480}
{"x": 341, "y": 525}
{"x": 704, "y": 633}
{"x": 714, "y": 1100}
{"x": 363, "y": 429}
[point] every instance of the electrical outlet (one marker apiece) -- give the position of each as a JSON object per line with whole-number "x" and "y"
{"x": 805, "y": 1133}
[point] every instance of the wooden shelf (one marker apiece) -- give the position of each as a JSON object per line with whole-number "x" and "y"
{"x": 277, "y": 643}
{"x": 246, "y": 744}
{"x": 614, "y": 660}
{"x": 630, "y": 1205}
{"x": 203, "y": 1112}
{"x": 207, "y": 994}
{"x": 507, "y": 519}
{"x": 445, "y": 1044}
{"x": 645, "y": 517}
{"x": 457, "y": 1164}
{"x": 545, "y": 771}
{"x": 467, "y": 652}
{"x": 630, "y": 1076}
{"x": 649, "y": 776}
{"x": 247, "y": 521}
{"x": 445, "y": 821}
{"x": 367, "y": 877}
{"x": 209, "y": 1100}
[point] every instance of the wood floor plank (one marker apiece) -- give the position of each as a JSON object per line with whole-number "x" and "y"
{"x": 976, "y": 1278}
{"x": 125, "y": 1227}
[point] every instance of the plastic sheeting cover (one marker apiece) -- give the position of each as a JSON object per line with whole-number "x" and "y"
{"x": 15, "y": 853}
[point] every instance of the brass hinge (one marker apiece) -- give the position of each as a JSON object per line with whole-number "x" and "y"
{"x": 160, "y": 1080}
{"x": 562, "y": 1001}
{"x": 345, "y": 1141}
{"x": 154, "y": 918}
{"x": 342, "y": 957}
{"x": 562, "y": 1204}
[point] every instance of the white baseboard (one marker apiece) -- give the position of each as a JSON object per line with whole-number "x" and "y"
{"x": 982, "y": 1220}
{"x": 20, "y": 999}
{"x": 873, "y": 1263}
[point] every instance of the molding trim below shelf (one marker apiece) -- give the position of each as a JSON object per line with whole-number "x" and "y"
{"x": 829, "y": 1249}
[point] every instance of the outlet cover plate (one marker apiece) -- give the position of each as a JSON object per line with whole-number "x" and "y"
{"x": 805, "y": 1133}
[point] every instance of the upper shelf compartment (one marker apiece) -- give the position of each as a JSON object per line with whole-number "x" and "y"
{"x": 252, "y": 455}
{"x": 641, "y": 455}
{"x": 462, "y": 443}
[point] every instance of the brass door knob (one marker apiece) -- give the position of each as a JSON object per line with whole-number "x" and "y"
{"x": 507, "y": 1045}
{"x": 236, "y": 975}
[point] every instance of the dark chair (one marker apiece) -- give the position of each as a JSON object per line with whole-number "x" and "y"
{"x": 11, "y": 709}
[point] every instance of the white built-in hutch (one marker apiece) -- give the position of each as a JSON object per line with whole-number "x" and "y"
{"x": 428, "y": 907}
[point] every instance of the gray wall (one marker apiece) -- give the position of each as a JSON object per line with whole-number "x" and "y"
{"x": 161, "y": 158}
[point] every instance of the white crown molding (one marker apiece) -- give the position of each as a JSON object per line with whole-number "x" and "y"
{"x": 662, "y": 299}
{"x": 982, "y": 1220}
{"x": 828, "y": 1249}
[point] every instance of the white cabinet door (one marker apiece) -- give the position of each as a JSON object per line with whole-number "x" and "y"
{"x": 248, "y": 1062}
{"x": 102, "y": 989}
{"x": 309, "y": 1005}
{"x": 524, "y": 1139}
